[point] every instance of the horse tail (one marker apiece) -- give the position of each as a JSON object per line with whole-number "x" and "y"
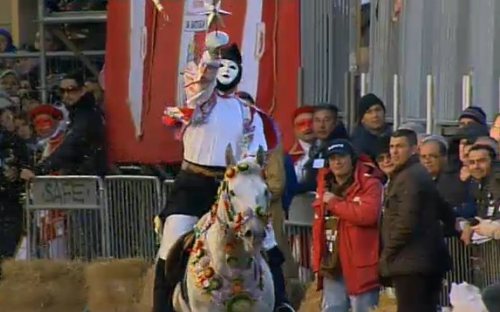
{"x": 178, "y": 258}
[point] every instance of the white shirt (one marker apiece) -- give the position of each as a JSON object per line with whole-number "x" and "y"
{"x": 205, "y": 144}
{"x": 299, "y": 164}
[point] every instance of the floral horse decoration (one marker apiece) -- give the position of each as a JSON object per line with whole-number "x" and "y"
{"x": 225, "y": 267}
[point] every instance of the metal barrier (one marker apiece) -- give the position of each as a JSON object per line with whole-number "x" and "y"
{"x": 65, "y": 218}
{"x": 300, "y": 239}
{"x": 462, "y": 269}
{"x": 487, "y": 264}
{"x": 132, "y": 202}
{"x": 82, "y": 217}
{"x": 477, "y": 264}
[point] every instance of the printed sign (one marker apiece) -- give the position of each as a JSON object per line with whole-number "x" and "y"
{"x": 69, "y": 193}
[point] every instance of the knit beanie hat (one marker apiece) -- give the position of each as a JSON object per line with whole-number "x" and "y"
{"x": 366, "y": 102}
{"x": 474, "y": 112}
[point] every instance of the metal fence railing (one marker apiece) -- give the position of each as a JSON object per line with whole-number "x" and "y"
{"x": 85, "y": 217}
{"x": 65, "y": 218}
{"x": 132, "y": 203}
{"x": 476, "y": 264}
{"x": 300, "y": 239}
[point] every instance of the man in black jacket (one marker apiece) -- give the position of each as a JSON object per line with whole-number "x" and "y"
{"x": 414, "y": 253}
{"x": 82, "y": 151}
{"x": 371, "y": 125}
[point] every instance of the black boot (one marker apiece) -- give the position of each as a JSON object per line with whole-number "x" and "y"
{"x": 275, "y": 260}
{"x": 163, "y": 291}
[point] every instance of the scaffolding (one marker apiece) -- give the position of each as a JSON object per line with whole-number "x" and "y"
{"x": 58, "y": 18}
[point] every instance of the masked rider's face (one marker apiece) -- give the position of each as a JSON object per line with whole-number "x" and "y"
{"x": 228, "y": 72}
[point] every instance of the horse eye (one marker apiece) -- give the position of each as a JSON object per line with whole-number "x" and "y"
{"x": 232, "y": 193}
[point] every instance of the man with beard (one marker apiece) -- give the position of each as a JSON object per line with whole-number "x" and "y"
{"x": 214, "y": 118}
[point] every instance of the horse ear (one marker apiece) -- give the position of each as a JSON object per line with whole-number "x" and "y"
{"x": 261, "y": 156}
{"x": 230, "y": 159}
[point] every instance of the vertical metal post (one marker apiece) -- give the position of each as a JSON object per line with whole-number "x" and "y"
{"x": 395, "y": 90}
{"x": 430, "y": 105}
{"x": 43, "y": 57}
{"x": 347, "y": 116}
{"x": 352, "y": 101}
{"x": 364, "y": 86}
{"x": 466, "y": 91}
{"x": 354, "y": 44}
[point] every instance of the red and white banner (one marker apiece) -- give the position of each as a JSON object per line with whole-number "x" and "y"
{"x": 146, "y": 54}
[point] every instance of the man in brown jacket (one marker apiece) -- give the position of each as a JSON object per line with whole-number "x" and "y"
{"x": 414, "y": 253}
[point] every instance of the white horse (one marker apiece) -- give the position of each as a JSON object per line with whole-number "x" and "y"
{"x": 225, "y": 267}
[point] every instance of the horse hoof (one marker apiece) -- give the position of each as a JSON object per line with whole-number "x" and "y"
{"x": 284, "y": 307}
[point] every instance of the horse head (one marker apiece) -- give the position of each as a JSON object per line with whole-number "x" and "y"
{"x": 244, "y": 199}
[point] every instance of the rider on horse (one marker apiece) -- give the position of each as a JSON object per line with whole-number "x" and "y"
{"x": 217, "y": 118}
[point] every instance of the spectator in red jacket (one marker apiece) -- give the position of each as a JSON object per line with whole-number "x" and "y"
{"x": 346, "y": 230}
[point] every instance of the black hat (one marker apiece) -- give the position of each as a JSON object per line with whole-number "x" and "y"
{"x": 368, "y": 101}
{"x": 382, "y": 146}
{"x": 474, "y": 112}
{"x": 231, "y": 52}
{"x": 339, "y": 147}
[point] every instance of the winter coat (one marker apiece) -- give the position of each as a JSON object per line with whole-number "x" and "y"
{"x": 412, "y": 234}
{"x": 83, "y": 148}
{"x": 364, "y": 141}
{"x": 358, "y": 233}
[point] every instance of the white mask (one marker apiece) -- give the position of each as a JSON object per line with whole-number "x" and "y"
{"x": 228, "y": 71}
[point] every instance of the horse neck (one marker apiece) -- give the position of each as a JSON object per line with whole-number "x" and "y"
{"x": 217, "y": 238}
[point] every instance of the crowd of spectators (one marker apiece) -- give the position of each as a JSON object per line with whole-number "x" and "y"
{"x": 386, "y": 198}
{"x": 64, "y": 135}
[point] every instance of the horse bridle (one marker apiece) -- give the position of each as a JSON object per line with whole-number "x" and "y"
{"x": 236, "y": 220}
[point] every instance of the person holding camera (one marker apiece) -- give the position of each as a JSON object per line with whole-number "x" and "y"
{"x": 346, "y": 230}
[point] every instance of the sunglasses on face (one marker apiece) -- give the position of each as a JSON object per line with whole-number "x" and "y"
{"x": 68, "y": 90}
